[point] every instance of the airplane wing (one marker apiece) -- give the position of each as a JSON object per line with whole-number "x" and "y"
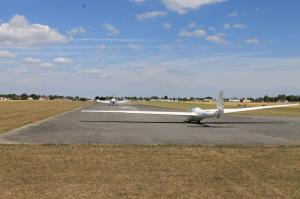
{"x": 104, "y": 102}
{"x": 122, "y": 102}
{"x": 257, "y": 108}
{"x": 188, "y": 113}
{"x": 144, "y": 112}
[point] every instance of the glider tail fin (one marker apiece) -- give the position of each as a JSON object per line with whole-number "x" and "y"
{"x": 220, "y": 103}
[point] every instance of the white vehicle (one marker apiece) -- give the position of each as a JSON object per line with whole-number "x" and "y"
{"x": 113, "y": 101}
{"x": 196, "y": 114}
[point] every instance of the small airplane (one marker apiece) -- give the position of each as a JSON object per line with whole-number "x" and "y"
{"x": 196, "y": 114}
{"x": 112, "y": 102}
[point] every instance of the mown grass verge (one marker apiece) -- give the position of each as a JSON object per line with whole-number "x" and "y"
{"x": 132, "y": 171}
{"x": 14, "y": 114}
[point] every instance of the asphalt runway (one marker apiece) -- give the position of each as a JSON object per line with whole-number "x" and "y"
{"x": 106, "y": 128}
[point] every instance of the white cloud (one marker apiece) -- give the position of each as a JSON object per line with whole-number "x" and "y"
{"x": 212, "y": 29}
{"x": 32, "y": 61}
{"x": 227, "y": 26}
{"x": 253, "y": 41}
{"x": 192, "y": 25}
{"x": 216, "y": 39}
{"x": 138, "y": 1}
{"x": 239, "y": 26}
{"x": 151, "y": 15}
{"x": 47, "y": 65}
{"x": 234, "y": 14}
{"x": 234, "y": 26}
{"x": 37, "y": 62}
{"x": 135, "y": 46}
{"x": 19, "y": 31}
{"x": 76, "y": 31}
{"x": 102, "y": 47}
{"x": 166, "y": 25}
{"x": 145, "y": 76}
{"x": 197, "y": 33}
{"x": 112, "y": 40}
{"x": 62, "y": 60}
{"x": 183, "y": 6}
{"x": 257, "y": 9}
{"x": 7, "y": 54}
{"x": 96, "y": 72}
{"x": 110, "y": 29}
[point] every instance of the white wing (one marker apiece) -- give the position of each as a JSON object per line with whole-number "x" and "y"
{"x": 144, "y": 112}
{"x": 188, "y": 113}
{"x": 257, "y": 108}
{"x": 104, "y": 102}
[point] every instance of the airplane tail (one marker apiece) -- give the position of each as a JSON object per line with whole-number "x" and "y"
{"x": 220, "y": 103}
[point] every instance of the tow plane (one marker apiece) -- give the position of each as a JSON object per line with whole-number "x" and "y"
{"x": 113, "y": 101}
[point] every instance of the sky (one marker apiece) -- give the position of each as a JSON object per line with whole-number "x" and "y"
{"x": 150, "y": 47}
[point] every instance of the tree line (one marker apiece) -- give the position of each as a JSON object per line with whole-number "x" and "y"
{"x": 134, "y": 98}
{"x": 266, "y": 98}
{"x": 33, "y": 96}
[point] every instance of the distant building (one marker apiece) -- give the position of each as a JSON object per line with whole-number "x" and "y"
{"x": 29, "y": 98}
{"x": 246, "y": 100}
{"x": 283, "y": 101}
{"x": 3, "y": 99}
{"x": 44, "y": 98}
{"x": 166, "y": 100}
{"x": 207, "y": 100}
{"x": 235, "y": 99}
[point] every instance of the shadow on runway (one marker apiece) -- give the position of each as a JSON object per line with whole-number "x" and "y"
{"x": 191, "y": 124}
{"x": 134, "y": 122}
{"x": 244, "y": 122}
{"x": 220, "y": 124}
{"x": 169, "y": 122}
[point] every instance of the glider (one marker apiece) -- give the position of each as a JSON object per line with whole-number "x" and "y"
{"x": 196, "y": 114}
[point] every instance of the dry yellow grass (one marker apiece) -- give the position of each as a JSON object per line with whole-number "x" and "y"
{"x": 107, "y": 171}
{"x": 14, "y": 114}
{"x": 287, "y": 111}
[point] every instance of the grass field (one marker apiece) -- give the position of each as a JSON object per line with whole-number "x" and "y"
{"x": 287, "y": 111}
{"x": 108, "y": 171}
{"x": 133, "y": 171}
{"x": 14, "y": 114}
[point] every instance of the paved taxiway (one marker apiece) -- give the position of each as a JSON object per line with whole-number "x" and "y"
{"x": 106, "y": 128}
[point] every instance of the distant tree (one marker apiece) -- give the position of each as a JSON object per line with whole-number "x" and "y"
{"x": 52, "y": 97}
{"x": 24, "y": 96}
{"x": 70, "y": 98}
{"x": 166, "y": 97}
{"x": 293, "y": 98}
{"x": 154, "y": 97}
{"x": 12, "y": 96}
{"x": 34, "y": 96}
{"x": 266, "y": 98}
{"x": 281, "y": 98}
